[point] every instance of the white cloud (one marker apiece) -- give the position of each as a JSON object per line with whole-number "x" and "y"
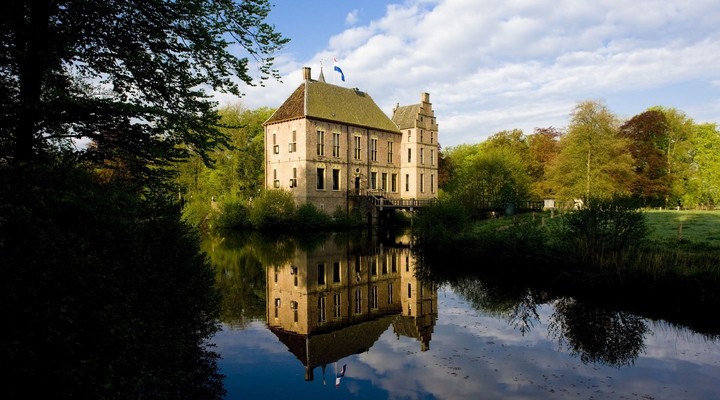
{"x": 494, "y": 65}
{"x": 351, "y": 18}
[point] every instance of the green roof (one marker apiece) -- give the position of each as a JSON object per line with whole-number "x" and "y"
{"x": 324, "y": 101}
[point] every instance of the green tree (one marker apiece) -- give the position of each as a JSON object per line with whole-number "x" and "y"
{"x": 128, "y": 76}
{"x": 703, "y": 186}
{"x": 543, "y": 148}
{"x": 593, "y": 160}
{"x": 235, "y": 175}
{"x": 494, "y": 176}
{"x": 678, "y": 151}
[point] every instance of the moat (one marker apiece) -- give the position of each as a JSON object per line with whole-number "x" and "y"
{"x": 344, "y": 316}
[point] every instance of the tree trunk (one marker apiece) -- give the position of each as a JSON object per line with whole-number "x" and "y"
{"x": 31, "y": 45}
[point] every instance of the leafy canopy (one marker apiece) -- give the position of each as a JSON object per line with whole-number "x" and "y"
{"x": 129, "y": 77}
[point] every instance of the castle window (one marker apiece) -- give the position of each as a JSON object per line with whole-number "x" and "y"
{"x": 393, "y": 183}
{"x": 409, "y": 155}
{"x": 357, "y": 148}
{"x": 321, "y": 179}
{"x": 422, "y": 183}
{"x": 422, "y": 156}
{"x": 432, "y": 183}
{"x": 321, "y": 274}
{"x": 373, "y": 149}
{"x": 422, "y": 133}
{"x": 390, "y": 293}
{"x": 409, "y": 135}
{"x": 383, "y": 181}
{"x": 432, "y": 157}
{"x": 373, "y": 180}
{"x": 407, "y": 182}
{"x": 276, "y": 181}
{"x": 335, "y": 179}
{"x": 276, "y": 147}
{"x": 293, "y": 180}
{"x": 336, "y": 145}
{"x": 432, "y": 134}
{"x": 390, "y": 152}
{"x": 320, "y": 143}
{"x": 293, "y": 145}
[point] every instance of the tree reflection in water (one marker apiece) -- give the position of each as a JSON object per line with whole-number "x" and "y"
{"x": 597, "y": 335}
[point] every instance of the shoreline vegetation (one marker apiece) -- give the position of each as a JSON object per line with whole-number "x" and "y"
{"x": 662, "y": 262}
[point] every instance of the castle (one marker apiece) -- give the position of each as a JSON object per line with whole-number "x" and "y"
{"x": 329, "y": 144}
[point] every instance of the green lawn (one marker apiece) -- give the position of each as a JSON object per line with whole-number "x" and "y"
{"x": 697, "y": 226}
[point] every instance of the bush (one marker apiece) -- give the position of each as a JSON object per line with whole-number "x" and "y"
{"x": 308, "y": 215}
{"x": 441, "y": 222}
{"x": 603, "y": 226}
{"x": 273, "y": 208}
{"x": 233, "y": 213}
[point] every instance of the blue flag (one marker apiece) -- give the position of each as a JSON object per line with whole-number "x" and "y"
{"x": 337, "y": 68}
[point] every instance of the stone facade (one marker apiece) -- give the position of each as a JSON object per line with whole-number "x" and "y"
{"x": 326, "y": 143}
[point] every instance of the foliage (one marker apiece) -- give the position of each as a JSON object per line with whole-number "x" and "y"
{"x": 127, "y": 76}
{"x": 105, "y": 291}
{"x": 602, "y": 227}
{"x": 703, "y": 184}
{"x": 487, "y": 176}
{"x": 231, "y": 213}
{"x": 543, "y": 148}
{"x": 593, "y": 161}
{"x": 309, "y": 216}
{"x": 236, "y": 175}
{"x": 678, "y": 152}
{"x": 274, "y": 208}
{"x": 440, "y": 223}
{"x": 647, "y": 133}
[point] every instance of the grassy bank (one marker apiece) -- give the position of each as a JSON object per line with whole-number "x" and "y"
{"x": 601, "y": 251}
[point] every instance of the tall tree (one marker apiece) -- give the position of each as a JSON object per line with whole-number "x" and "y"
{"x": 495, "y": 176}
{"x": 130, "y": 76}
{"x": 593, "y": 160}
{"x": 678, "y": 151}
{"x": 543, "y": 147}
{"x": 703, "y": 187}
{"x": 648, "y": 136}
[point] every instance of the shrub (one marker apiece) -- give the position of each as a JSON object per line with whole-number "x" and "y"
{"x": 308, "y": 215}
{"x": 603, "y": 226}
{"x": 232, "y": 213}
{"x": 273, "y": 208}
{"x": 443, "y": 221}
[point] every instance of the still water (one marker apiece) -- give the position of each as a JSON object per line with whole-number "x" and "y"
{"x": 344, "y": 316}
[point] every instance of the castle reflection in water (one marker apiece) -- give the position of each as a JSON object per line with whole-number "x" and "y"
{"x": 337, "y": 299}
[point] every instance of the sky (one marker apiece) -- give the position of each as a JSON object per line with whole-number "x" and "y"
{"x": 494, "y": 65}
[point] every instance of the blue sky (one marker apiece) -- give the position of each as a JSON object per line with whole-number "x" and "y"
{"x": 493, "y": 65}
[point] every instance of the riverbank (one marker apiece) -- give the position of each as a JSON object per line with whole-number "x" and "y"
{"x": 656, "y": 272}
